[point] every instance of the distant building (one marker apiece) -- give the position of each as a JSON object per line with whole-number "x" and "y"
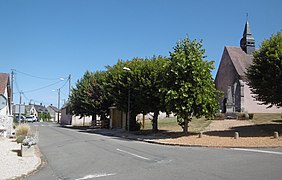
{"x": 67, "y": 118}
{"x": 54, "y": 113}
{"x": 6, "y": 119}
{"x": 231, "y": 78}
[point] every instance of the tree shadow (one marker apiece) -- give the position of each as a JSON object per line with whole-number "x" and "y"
{"x": 259, "y": 130}
{"x": 277, "y": 121}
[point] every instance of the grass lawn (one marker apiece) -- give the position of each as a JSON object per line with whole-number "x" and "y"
{"x": 265, "y": 118}
{"x": 268, "y": 122}
{"x": 170, "y": 124}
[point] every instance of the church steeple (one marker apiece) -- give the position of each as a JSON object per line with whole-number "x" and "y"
{"x": 247, "y": 42}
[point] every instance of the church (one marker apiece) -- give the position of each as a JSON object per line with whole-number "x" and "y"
{"x": 232, "y": 81}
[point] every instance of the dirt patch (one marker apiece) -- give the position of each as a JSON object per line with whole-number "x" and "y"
{"x": 221, "y": 134}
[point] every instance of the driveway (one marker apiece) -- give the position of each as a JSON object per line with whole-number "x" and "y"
{"x": 76, "y": 155}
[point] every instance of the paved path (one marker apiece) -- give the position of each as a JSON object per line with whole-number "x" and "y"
{"x": 77, "y": 154}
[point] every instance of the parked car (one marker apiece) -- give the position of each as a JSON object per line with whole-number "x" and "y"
{"x": 22, "y": 119}
{"x": 31, "y": 118}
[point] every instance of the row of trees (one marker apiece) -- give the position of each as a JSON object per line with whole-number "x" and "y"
{"x": 181, "y": 84}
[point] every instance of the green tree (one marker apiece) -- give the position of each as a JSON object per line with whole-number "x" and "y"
{"x": 88, "y": 98}
{"x": 144, "y": 79}
{"x": 149, "y": 82}
{"x": 190, "y": 89}
{"x": 265, "y": 74}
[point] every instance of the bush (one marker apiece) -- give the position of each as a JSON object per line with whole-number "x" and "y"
{"x": 242, "y": 116}
{"x": 219, "y": 116}
{"x": 22, "y": 131}
{"x": 251, "y": 115}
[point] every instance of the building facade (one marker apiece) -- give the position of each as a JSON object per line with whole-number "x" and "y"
{"x": 232, "y": 81}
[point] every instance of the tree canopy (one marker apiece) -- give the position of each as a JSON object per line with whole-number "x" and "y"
{"x": 181, "y": 84}
{"x": 190, "y": 90}
{"x": 265, "y": 74}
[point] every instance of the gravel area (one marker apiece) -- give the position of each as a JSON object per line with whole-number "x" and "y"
{"x": 11, "y": 164}
{"x": 221, "y": 134}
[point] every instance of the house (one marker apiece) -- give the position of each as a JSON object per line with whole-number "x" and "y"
{"x": 232, "y": 81}
{"x": 6, "y": 118}
{"x": 30, "y": 110}
{"x": 54, "y": 113}
{"x": 67, "y": 118}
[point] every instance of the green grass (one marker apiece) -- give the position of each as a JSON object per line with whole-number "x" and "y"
{"x": 266, "y": 118}
{"x": 170, "y": 124}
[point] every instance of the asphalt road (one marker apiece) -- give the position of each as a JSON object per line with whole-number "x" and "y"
{"x": 75, "y": 155}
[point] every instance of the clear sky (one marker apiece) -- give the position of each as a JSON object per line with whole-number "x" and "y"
{"x": 54, "y": 38}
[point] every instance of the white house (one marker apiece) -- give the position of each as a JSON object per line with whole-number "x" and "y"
{"x": 6, "y": 118}
{"x": 67, "y": 118}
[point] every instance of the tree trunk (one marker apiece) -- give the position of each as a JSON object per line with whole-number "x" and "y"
{"x": 185, "y": 129}
{"x": 94, "y": 120}
{"x": 155, "y": 121}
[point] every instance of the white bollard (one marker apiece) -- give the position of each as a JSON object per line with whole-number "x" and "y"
{"x": 276, "y": 135}
{"x": 236, "y": 135}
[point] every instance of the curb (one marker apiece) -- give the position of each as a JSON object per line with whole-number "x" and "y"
{"x": 42, "y": 162}
{"x": 182, "y": 145}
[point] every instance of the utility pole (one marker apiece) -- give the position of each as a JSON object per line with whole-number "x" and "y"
{"x": 69, "y": 85}
{"x": 20, "y": 114}
{"x": 59, "y": 105}
{"x": 12, "y": 88}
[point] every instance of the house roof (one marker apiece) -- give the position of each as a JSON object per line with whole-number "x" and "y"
{"x": 240, "y": 60}
{"x": 40, "y": 108}
{"x": 4, "y": 79}
{"x": 53, "y": 108}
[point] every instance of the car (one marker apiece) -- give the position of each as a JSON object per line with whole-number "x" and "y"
{"x": 22, "y": 119}
{"x": 31, "y": 118}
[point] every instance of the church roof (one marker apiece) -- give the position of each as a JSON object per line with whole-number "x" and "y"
{"x": 240, "y": 60}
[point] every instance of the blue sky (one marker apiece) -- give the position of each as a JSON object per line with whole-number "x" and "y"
{"x": 52, "y": 39}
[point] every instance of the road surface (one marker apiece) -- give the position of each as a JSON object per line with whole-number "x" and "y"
{"x": 76, "y": 155}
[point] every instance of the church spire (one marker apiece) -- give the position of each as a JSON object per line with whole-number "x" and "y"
{"x": 247, "y": 42}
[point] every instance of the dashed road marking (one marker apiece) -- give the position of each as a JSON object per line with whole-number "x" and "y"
{"x": 258, "y": 151}
{"x": 136, "y": 155}
{"x": 91, "y": 176}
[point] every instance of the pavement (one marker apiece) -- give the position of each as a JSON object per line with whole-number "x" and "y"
{"x": 12, "y": 165}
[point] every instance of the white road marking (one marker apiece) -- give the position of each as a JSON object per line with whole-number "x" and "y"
{"x": 141, "y": 157}
{"x": 258, "y": 151}
{"x": 96, "y": 176}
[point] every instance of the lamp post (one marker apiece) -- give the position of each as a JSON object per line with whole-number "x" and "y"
{"x": 128, "y": 100}
{"x": 59, "y": 94}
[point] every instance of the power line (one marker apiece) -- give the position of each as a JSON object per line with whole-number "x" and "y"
{"x": 43, "y": 78}
{"x": 29, "y": 91}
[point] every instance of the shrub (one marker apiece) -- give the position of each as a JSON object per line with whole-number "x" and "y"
{"x": 251, "y": 115}
{"x": 219, "y": 116}
{"x": 242, "y": 116}
{"x": 22, "y": 131}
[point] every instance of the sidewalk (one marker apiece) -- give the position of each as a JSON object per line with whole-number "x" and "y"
{"x": 11, "y": 164}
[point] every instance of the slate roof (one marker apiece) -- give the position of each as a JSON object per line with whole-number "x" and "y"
{"x": 40, "y": 108}
{"x": 4, "y": 79}
{"x": 240, "y": 60}
{"x": 53, "y": 108}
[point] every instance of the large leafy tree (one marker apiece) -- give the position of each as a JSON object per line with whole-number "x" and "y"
{"x": 265, "y": 74}
{"x": 89, "y": 98}
{"x": 148, "y": 77}
{"x": 144, "y": 80}
{"x": 190, "y": 89}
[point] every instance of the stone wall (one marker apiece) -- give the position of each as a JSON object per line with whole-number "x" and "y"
{"x": 7, "y": 122}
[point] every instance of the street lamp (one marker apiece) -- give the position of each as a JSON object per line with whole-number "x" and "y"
{"x": 59, "y": 93}
{"x": 128, "y": 100}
